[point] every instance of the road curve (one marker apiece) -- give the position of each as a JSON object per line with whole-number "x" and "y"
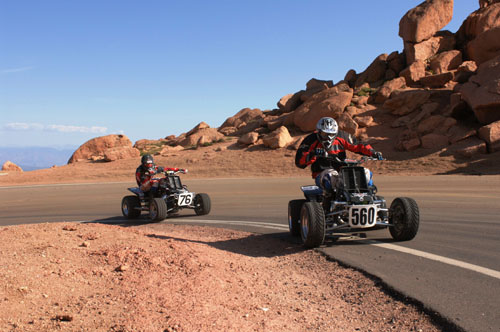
{"x": 452, "y": 266}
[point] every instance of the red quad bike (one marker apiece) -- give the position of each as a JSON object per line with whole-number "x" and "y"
{"x": 170, "y": 197}
{"x": 353, "y": 206}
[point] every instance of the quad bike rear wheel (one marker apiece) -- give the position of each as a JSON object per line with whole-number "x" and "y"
{"x": 157, "y": 209}
{"x": 312, "y": 224}
{"x": 131, "y": 207}
{"x": 202, "y": 204}
{"x": 294, "y": 207}
{"x": 405, "y": 218}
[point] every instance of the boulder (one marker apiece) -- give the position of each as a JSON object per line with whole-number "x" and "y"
{"x": 484, "y": 47}
{"x": 465, "y": 71}
{"x": 480, "y": 21}
{"x": 434, "y": 141}
{"x": 364, "y": 121}
{"x": 121, "y": 152}
{"x": 491, "y": 135}
{"x": 460, "y": 132}
{"x": 330, "y": 102}
{"x": 470, "y": 147}
{"x": 9, "y": 166}
{"x": 375, "y": 71}
{"x": 199, "y": 126}
{"x": 277, "y": 122}
{"x": 201, "y": 137}
{"x": 350, "y": 77}
{"x": 411, "y": 144}
{"x": 387, "y": 88}
{"x": 440, "y": 42}
{"x": 446, "y": 61}
{"x": 315, "y": 84}
{"x": 245, "y": 128}
{"x": 436, "y": 81}
{"x": 245, "y": 115}
{"x": 228, "y": 131}
{"x": 403, "y": 102}
{"x": 414, "y": 72}
{"x": 143, "y": 144}
{"x": 97, "y": 147}
{"x": 290, "y": 102}
{"x": 166, "y": 150}
{"x": 482, "y": 92}
{"x": 423, "y": 21}
{"x": 249, "y": 138}
{"x": 278, "y": 138}
{"x": 396, "y": 62}
{"x": 347, "y": 124}
{"x": 429, "y": 124}
{"x": 485, "y": 3}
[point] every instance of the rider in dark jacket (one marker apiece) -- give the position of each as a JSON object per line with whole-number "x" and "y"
{"x": 145, "y": 172}
{"x": 327, "y": 140}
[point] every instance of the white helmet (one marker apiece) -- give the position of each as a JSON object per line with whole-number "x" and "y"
{"x": 327, "y": 131}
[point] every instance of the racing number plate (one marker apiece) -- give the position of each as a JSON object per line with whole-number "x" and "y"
{"x": 185, "y": 199}
{"x": 362, "y": 216}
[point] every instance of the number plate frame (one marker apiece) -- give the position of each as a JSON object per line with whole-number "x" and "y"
{"x": 363, "y": 216}
{"x": 185, "y": 199}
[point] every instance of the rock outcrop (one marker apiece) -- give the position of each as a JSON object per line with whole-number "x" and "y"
{"x": 9, "y": 166}
{"x": 117, "y": 146}
{"x": 482, "y": 91}
{"x": 423, "y": 21}
{"x": 278, "y": 138}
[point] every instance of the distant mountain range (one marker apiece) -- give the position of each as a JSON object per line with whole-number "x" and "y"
{"x": 31, "y": 158}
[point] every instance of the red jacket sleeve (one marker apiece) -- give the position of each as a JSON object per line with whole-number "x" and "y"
{"x": 365, "y": 149}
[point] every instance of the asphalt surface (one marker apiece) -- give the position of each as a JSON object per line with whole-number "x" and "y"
{"x": 452, "y": 266}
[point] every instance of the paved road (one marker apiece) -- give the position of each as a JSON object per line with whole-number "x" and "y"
{"x": 452, "y": 266}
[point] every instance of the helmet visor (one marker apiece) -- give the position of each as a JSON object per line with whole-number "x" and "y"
{"x": 327, "y": 137}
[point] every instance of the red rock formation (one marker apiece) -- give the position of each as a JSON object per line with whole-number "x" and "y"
{"x": 423, "y": 21}
{"x": 9, "y": 166}
{"x": 95, "y": 149}
{"x": 482, "y": 92}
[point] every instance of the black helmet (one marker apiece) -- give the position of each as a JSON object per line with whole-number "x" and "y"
{"x": 147, "y": 160}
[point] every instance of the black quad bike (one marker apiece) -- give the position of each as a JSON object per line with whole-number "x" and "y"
{"x": 353, "y": 206}
{"x": 170, "y": 197}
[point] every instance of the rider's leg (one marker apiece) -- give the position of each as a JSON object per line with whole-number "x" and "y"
{"x": 327, "y": 180}
{"x": 369, "y": 177}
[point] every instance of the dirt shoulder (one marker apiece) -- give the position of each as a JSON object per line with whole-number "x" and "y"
{"x": 95, "y": 277}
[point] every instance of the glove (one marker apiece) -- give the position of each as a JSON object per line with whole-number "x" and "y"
{"x": 151, "y": 171}
{"x": 377, "y": 155}
{"x": 184, "y": 171}
{"x": 320, "y": 152}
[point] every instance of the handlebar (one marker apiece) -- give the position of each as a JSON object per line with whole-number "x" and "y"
{"x": 347, "y": 162}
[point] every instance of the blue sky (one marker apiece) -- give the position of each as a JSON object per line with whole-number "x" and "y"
{"x": 74, "y": 70}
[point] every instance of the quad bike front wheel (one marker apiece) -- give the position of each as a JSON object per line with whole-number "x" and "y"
{"x": 131, "y": 207}
{"x": 157, "y": 209}
{"x": 202, "y": 204}
{"x": 404, "y": 217}
{"x": 312, "y": 224}
{"x": 294, "y": 207}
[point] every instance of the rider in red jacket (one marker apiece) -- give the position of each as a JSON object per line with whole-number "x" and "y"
{"x": 145, "y": 172}
{"x": 327, "y": 141}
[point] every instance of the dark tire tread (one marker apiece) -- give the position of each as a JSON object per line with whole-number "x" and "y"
{"x": 294, "y": 207}
{"x": 202, "y": 204}
{"x": 132, "y": 203}
{"x": 316, "y": 233}
{"x": 411, "y": 219}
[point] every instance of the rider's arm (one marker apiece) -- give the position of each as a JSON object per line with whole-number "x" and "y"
{"x": 305, "y": 155}
{"x": 365, "y": 149}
